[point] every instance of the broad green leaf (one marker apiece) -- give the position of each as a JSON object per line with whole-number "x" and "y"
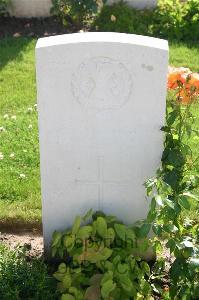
{"x": 107, "y": 288}
{"x": 106, "y": 277}
{"x": 101, "y": 227}
{"x": 88, "y": 215}
{"x": 145, "y": 267}
{"x": 171, "y": 244}
{"x": 84, "y": 232}
{"x": 59, "y": 276}
{"x": 170, "y": 203}
{"x": 76, "y": 225}
{"x": 170, "y": 228}
{"x": 144, "y": 230}
{"x": 122, "y": 268}
{"x": 62, "y": 268}
{"x": 69, "y": 242}
{"x": 126, "y": 284}
{"x": 54, "y": 251}
{"x": 56, "y": 238}
{"x": 120, "y": 231}
{"x": 67, "y": 297}
{"x": 192, "y": 196}
{"x": 158, "y": 200}
{"x": 184, "y": 202}
{"x": 67, "y": 281}
{"x": 110, "y": 236}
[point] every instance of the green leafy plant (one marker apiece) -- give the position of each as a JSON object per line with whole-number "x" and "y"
{"x": 99, "y": 261}
{"x": 4, "y": 7}
{"x": 75, "y": 11}
{"x": 175, "y": 19}
{"x": 121, "y": 18}
{"x": 171, "y": 19}
{"x": 23, "y": 279}
{"x": 173, "y": 189}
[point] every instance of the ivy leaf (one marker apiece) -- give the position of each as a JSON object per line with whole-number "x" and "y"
{"x": 76, "y": 225}
{"x": 184, "y": 202}
{"x": 107, "y": 288}
{"x": 101, "y": 227}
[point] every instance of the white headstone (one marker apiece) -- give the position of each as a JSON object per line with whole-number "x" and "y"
{"x": 101, "y": 100}
{"x": 140, "y": 4}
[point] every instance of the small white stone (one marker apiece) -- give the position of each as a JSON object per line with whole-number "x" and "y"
{"x": 22, "y": 176}
{"x": 2, "y": 129}
{"x": 1, "y": 156}
{"x": 35, "y": 105}
{"x": 6, "y": 116}
{"x": 30, "y": 109}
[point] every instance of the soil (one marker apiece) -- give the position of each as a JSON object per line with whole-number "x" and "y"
{"x": 33, "y": 243}
{"x": 32, "y": 27}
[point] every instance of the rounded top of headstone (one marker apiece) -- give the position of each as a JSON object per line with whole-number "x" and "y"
{"x": 105, "y": 37}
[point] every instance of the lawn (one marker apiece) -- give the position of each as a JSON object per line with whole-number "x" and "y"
{"x": 20, "y": 200}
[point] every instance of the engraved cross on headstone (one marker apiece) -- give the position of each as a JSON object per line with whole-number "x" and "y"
{"x": 101, "y": 181}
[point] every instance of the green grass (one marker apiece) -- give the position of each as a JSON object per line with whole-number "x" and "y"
{"x": 21, "y": 279}
{"x": 20, "y": 200}
{"x": 185, "y": 55}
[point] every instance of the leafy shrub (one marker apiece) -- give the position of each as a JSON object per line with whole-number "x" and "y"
{"x": 173, "y": 189}
{"x": 98, "y": 260}
{"x": 121, "y": 18}
{"x": 175, "y": 19}
{"x": 20, "y": 279}
{"x": 171, "y": 19}
{"x": 3, "y": 7}
{"x": 74, "y": 11}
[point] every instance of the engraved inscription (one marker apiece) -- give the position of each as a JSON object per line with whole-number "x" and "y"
{"x": 102, "y": 83}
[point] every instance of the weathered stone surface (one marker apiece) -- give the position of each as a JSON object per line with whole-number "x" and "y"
{"x": 101, "y": 100}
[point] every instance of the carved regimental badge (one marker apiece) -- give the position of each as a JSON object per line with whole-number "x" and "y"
{"x": 102, "y": 83}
